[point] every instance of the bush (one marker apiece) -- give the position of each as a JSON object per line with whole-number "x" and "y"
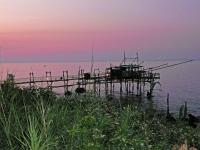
{"x": 37, "y": 119}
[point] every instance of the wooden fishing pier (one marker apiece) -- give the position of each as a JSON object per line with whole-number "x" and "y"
{"x": 126, "y": 78}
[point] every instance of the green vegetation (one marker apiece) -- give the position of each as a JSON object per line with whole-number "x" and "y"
{"x": 38, "y": 120}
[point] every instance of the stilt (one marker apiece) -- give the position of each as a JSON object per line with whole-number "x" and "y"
{"x": 94, "y": 87}
{"x": 111, "y": 87}
{"x": 129, "y": 87}
{"x": 132, "y": 86}
{"x": 49, "y": 80}
{"x": 99, "y": 83}
{"x": 167, "y": 103}
{"x": 65, "y": 81}
{"x": 106, "y": 87}
{"x": 138, "y": 87}
{"x": 32, "y": 81}
{"x": 120, "y": 86}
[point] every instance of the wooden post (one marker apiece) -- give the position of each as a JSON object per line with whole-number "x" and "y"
{"x": 137, "y": 86}
{"x": 99, "y": 84}
{"x": 65, "y": 80}
{"x": 82, "y": 77}
{"x": 111, "y": 86}
{"x": 132, "y": 85}
{"x": 126, "y": 85}
{"x": 167, "y": 104}
{"x": 49, "y": 80}
{"x": 106, "y": 87}
{"x": 129, "y": 87}
{"x": 94, "y": 87}
{"x": 106, "y": 83}
{"x": 140, "y": 87}
{"x": 32, "y": 80}
{"x": 121, "y": 88}
{"x": 79, "y": 78}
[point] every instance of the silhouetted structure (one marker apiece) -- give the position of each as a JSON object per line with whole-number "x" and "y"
{"x": 132, "y": 78}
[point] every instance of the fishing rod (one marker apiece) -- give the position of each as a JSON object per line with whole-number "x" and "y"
{"x": 157, "y": 66}
{"x": 168, "y": 66}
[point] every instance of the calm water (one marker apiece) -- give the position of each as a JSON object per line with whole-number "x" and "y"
{"x": 182, "y": 82}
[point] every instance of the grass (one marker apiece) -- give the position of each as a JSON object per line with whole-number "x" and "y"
{"x": 38, "y": 120}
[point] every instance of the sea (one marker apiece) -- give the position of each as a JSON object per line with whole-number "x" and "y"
{"x": 182, "y": 82}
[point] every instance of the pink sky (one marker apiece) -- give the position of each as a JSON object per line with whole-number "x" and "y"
{"x": 49, "y": 30}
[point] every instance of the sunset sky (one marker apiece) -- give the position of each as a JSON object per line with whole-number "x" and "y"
{"x": 68, "y": 30}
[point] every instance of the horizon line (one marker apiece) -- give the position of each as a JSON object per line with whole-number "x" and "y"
{"x": 98, "y": 60}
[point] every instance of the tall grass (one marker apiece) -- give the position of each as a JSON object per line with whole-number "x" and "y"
{"x": 38, "y": 120}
